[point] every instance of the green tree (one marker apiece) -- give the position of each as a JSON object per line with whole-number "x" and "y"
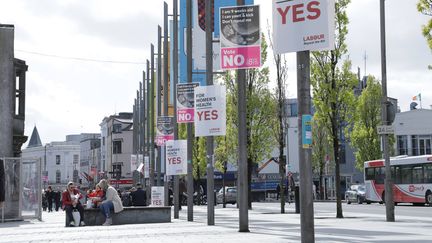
{"x": 425, "y": 7}
{"x": 259, "y": 118}
{"x": 320, "y": 151}
{"x": 366, "y": 118}
{"x": 333, "y": 92}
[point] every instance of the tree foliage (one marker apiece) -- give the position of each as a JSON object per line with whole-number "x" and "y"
{"x": 333, "y": 93}
{"x": 366, "y": 117}
{"x": 425, "y": 6}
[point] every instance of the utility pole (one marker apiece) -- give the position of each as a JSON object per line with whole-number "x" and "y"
{"x": 190, "y": 189}
{"x": 243, "y": 166}
{"x": 148, "y": 137}
{"x": 174, "y": 80}
{"x": 165, "y": 92}
{"x": 158, "y": 100}
{"x": 210, "y": 139}
{"x": 152, "y": 118}
{"x": 305, "y": 154}
{"x": 390, "y": 216}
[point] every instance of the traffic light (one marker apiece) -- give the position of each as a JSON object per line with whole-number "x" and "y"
{"x": 391, "y": 105}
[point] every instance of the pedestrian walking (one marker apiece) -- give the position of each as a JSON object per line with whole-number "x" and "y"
{"x": 57, "y": 199}
{"x": 49, "y": 196}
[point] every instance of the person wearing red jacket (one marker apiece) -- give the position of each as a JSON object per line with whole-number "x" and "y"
{"x": 70, "y": 201}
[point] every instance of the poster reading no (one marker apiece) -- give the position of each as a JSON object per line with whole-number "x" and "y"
{"x": 185, "y": 102}
{"x": 300, "y": 25}
{"x": 240, "y": 37}
{"x": 165, "y": 130}
{"x": 176, "y": 157}
{"x": 210, "y": 111}
{"x": 157, "y": 196}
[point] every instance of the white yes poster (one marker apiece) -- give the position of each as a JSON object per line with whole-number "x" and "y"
{"x": 176, "y": 157}
{"x": 210, "y": 111}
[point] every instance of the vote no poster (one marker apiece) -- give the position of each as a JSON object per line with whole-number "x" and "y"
{"x": 300, "y": 25}
{"x": 185, "y": 102}
{"x": 176, "y": 157}
{"x": 210, "y": 111}
{"x": 240, "y": 37}
{"x": 164, "y": 130}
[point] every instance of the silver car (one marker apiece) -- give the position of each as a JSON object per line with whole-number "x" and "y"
{"x": 356, "y": 193}
{"x": 230, "y": 195}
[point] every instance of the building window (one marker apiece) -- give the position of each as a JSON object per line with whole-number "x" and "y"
{"x": 342, "y": 157}
{"x": 57, "y": 159}
{"x": 103, "y": 141}
{"x": 75, "y": 159}
{"x": 117, "y": 128}
{"x": 58, "y": 177}
{"x": 117, "y": 147}
{"x": 292, "y": 110}
{"x": 402, "y": 145}
{"x": 414, "y": 142}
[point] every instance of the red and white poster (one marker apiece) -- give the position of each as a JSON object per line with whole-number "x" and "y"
{"x": 176, "y": 157}
{"x": 240, "y": 37}
{"x": 210, "y": 111}
{"x": 164, "y": 130}
{"x": 300, "y": 25}
{"x": 185, "y": 102}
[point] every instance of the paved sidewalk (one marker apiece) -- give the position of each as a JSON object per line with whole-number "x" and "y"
{"x": 266, "y": 225}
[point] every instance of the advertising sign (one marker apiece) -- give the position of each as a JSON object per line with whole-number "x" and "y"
{"x": 157, "y": 196}
{"x": 164, "y": 129}
{"x": 240, "y": 37}
{"x": 307, "y": 131}
{"x": 185, "y": 102}
{"x": 210, "y": 111}
{"x": 300, "y": 25}
{"x": 176, "y": 157}
{"x": 146, "y": 167}
{"x": 133, "y": 162}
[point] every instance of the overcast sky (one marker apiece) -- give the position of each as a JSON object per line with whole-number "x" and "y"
{"x": 67, "y": 96}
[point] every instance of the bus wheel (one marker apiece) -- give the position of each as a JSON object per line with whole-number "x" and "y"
{"x": 429, "y": 198}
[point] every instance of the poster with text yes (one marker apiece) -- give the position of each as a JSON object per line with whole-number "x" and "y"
{"x": 210, "y": 111}
{"x": 176, "y": 157}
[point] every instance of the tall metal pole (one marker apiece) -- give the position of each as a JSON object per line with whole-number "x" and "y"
{"x": 190, "y": 189}
{"x": 142, "y": 124}
{"x": 305, "y": 155}
{"x": 152, "y": 119}
{"x": 134, "y": 133}
{"x": 165, "y": 92}
{"x": 141, "y": 118}
{"x": 390, "y": 215}
{"x": 148, "y": 126}
{"x": 158, "y": 100}
{"x": 174, "y": 80}
{"x": 242, "y": 150}
{"x": 209, "y": 140}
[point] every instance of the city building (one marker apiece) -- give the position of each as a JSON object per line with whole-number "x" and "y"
{"x": 116, "y": 148}
{"x": 90, "y": 158}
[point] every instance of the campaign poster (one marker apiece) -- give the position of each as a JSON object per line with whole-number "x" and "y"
{"x": 157, "y": 196}
{"x": 185, "y": 102}
{"x": 146, "y": 167}
{"x": 210, "y": 111}
{"x": 164, "y": 129}
{"x": 301, "y": 25}
{"x": 240, "y": 37}
{"x": 176, "y": 157}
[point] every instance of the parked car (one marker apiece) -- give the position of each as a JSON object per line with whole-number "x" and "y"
{"x": 230, "y": 195}
{"x": 356, "y": 193}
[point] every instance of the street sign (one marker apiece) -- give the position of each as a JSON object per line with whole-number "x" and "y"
{"x": 385, "y": 130}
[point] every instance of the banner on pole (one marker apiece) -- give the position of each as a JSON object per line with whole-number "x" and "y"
{"x": 165, "y": 130}
{"x": 157, "y": 196}
{"x": 185, "y": 102}
{"x": 301, "y": 25}
{"x": 176, "y": 157}
{"x": 307, "y": 131}
{"x": 240, "y": 37}
{"x": 210, "y": 111}
{"x": 133, "y": 162}
{"x": 146, "y": 167}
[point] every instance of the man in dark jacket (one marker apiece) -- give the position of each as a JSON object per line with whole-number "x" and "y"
{"x": 50, "y": 196}
{"x": 138, "y": 196}
{"x": 57, "y": 197}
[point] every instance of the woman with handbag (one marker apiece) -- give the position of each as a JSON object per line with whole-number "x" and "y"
{"x": 111, "y": 201}
{"x": 71, "y": 202}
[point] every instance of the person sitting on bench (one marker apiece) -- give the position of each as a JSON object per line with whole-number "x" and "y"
{"x": 111, "y": 201}
{"x": 138, "y": 196}
{"x": 70, "y": 201}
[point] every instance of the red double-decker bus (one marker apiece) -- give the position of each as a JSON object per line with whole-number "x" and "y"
{"x": 412, "y": 177}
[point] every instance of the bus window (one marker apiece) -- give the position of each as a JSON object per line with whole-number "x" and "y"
{"x": 396, "y": 173}
{"x": 370, "y": 174}
{"x": 379, "y": 175}
{"x": 417, "y": 173}
{"x": 406, "y": 174}
{"x": 427, "y": 170}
